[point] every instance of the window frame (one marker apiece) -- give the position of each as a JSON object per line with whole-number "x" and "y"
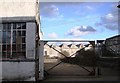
{"x": 12, "y": 27}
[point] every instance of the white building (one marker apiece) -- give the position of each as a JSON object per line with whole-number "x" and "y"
{"x": 67, "y": 50}
{"x": 19, "y": 36}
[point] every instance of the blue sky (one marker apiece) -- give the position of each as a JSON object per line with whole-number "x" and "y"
{"x": 78, "y": 20}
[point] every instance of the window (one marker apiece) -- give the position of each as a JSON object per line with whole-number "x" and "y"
{"x": 13, "y": 44}
{"x": 46, "y": 53}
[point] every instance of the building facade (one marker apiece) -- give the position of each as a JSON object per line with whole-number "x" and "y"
{"x": 113, "y": 45}
{"x": 19, "y": 36}
{"x": 68, "y": 50}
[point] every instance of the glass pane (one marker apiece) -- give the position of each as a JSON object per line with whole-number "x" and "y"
{"x": 23, "y": 47}
{"x": 8, "y": 36}
{"x": 14, "y": 55}
{"x": 18, "y": 33}
{"x": 4, "y": 37}
{"x": 18, "y": 40}
{"x": 23, "y": 55}
{"x": 13, "y": 48}
{"x": 18, "y": 47}
{"x": 18, "y": 25}
{"x": 8, "y": 48}
{"x": 14, "y": 33}
{"x": 4, "y": 27}
{"x": 14, "y": 36}
{"x": 8, "y": 27}
{"x": 8, "y": 55}
{"x": 18, "y": 54}
{"x": 23, "y": 25}
{"x": 14, "y": 26}
{"x": 23, "y": 39}
{"x": 4, "y": 48}
{"x": 3, "y": 54}
{"x": 23, "y": 33}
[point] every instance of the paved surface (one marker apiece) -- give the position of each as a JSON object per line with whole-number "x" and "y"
{"x": 69, "y": 72}
{"x": 78, "y": 78}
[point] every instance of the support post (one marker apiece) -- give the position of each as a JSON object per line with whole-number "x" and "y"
{"x": 41, "y": 60}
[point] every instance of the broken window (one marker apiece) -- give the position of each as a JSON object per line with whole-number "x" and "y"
{"x": 13, "y": 40}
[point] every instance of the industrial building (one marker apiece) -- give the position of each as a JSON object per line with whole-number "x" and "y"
{"x": 22, "y": 49}
{"x": 19, "y": 38}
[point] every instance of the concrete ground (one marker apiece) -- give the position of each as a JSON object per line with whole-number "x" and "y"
{"x": 70, "y": 72}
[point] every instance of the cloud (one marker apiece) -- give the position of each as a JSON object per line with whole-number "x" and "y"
{"x": 111, "y": 26}
{"x": 80, "y": 30}
{"x": 49, "y": 11}
{"x": 110, "y": 20}
{"x": 52, "y": 35}
{"x": 89, "y": 7}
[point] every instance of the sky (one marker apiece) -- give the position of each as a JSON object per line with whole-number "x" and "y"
{"x": 78, "y": 20}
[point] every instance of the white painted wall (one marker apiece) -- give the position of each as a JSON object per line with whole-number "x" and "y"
{"x": 15, "y": 8}
{"x": 21, "y": 70}
{"x": 30, "y": 39}
{"x": 18, "y": 71}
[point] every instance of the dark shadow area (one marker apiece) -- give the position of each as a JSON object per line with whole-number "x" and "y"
{"x": 83, "y": 58}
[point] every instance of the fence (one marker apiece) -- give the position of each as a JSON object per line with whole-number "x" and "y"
{"x": 70, "y": 58}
